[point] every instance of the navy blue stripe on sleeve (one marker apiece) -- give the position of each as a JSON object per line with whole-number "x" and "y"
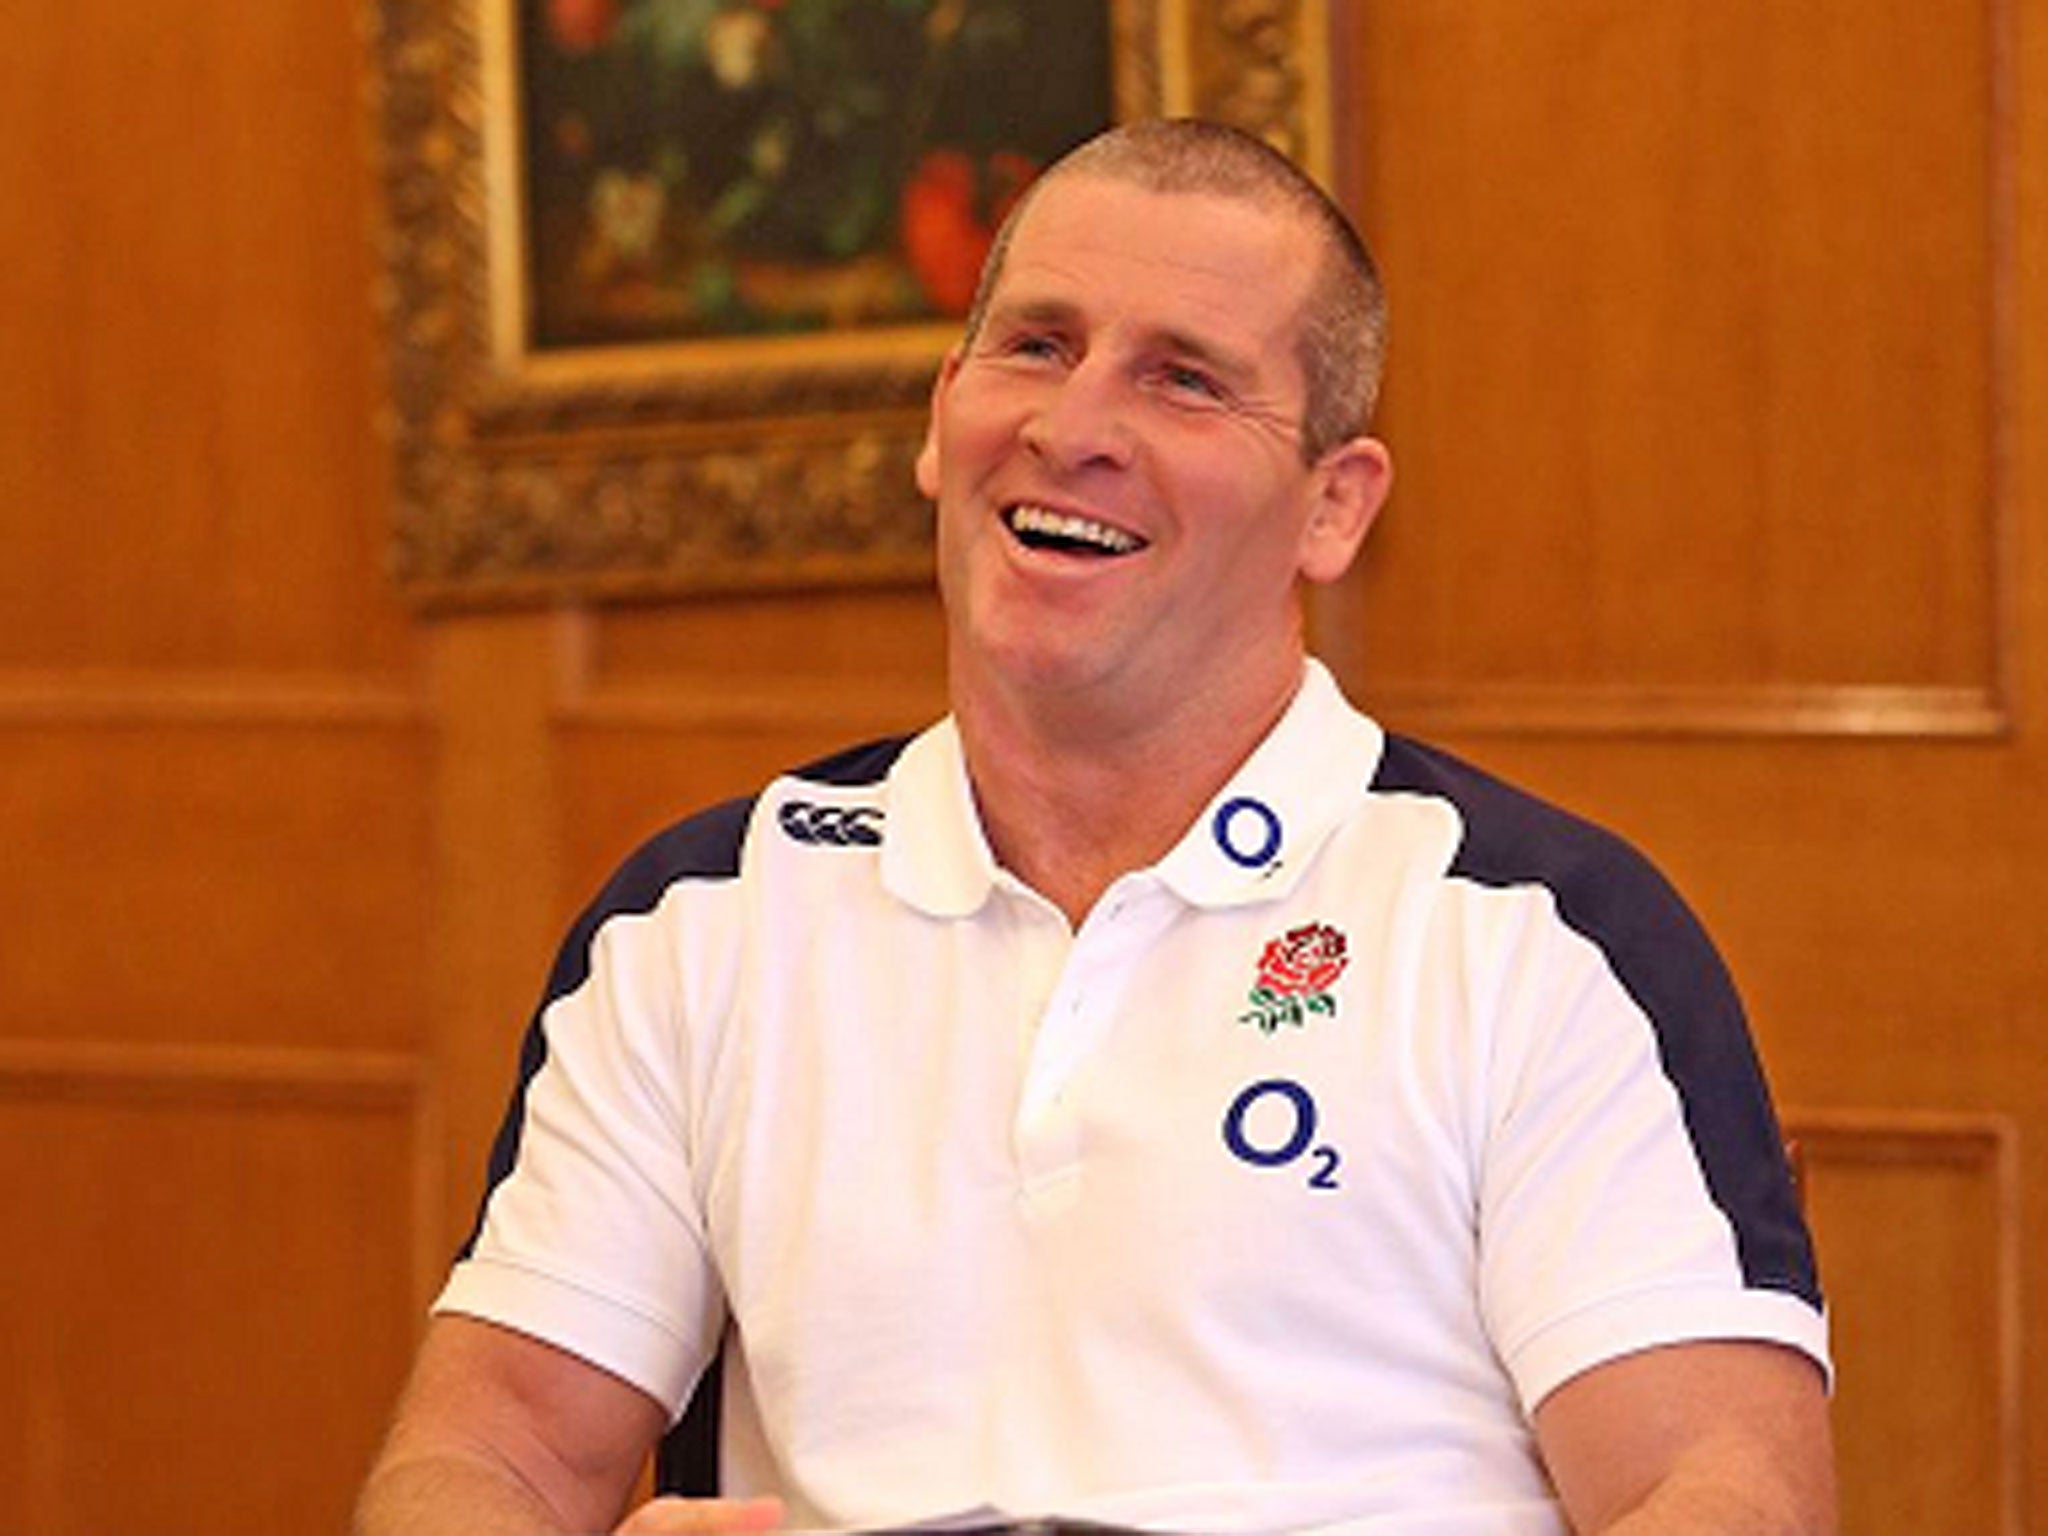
{"x": 705, "y": 846}
{"x": 1612, "y": 896}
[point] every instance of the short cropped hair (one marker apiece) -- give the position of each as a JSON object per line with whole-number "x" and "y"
{"x": 1342, "y": 345}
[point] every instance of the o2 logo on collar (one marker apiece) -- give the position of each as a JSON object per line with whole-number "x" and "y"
{"x": 1272, "y": 1124}
{"x": 1248, "y": 831}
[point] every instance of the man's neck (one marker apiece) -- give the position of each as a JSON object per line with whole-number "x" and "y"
{"x": 1072, "y": 798}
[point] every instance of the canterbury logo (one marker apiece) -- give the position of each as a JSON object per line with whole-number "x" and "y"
{"x": 836, "y": 826}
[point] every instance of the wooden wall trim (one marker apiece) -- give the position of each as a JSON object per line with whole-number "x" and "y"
{"x": 105, "y": 1068}
{"x": 1987, "y": 1145}
{"x": 1984, "y": 1141}
{"x": 1963, "y": 713}
{"x": 35, "y": 701}
{"x": 103, "y": 698}
{"x": 258, "y": 1076}
{"x": 2002, "y": 386}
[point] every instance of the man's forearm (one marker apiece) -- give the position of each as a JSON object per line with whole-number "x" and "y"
{"x": 499, "y": 1434}
{"x": 450, "y": 1494}
{"x": 1730, "y": 1488}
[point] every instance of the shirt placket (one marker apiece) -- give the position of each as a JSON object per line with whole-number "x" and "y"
{"x": 1085, "y": 1002}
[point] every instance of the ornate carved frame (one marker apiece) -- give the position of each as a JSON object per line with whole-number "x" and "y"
{"x": 702, "y": 466}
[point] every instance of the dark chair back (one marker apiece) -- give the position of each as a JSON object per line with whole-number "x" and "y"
{"x": 686, "y": 1461}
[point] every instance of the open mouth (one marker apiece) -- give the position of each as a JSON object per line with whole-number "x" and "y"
{"x": 1068, "y": 533}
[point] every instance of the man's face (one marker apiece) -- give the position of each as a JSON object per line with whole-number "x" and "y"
{"x": 1116, "y": 454}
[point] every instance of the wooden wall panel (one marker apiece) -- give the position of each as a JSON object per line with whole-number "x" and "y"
{"x": 213, "y": 1262}
{"x": 856, "y": 654}
{"x": 1918, "y": 1222}
{"x": 181, "y": 879}
{"x": 499, "y": 907}
{"x": 187, "y": 474}
{"x": 219, "y": 1161}
{"x": 1698, "y": 389}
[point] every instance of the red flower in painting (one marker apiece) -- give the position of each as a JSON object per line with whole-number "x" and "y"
{"x": 1303, "y": 961}
{"x": 581, "y": 26}
{"x": 949, "y": 218}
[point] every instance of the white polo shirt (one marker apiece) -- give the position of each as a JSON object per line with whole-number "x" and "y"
{"x": 1275, "y": 1198}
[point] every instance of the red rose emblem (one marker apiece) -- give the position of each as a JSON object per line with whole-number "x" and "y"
{"x": 1296, "y": 972}
{"x": 1303, "y": 961}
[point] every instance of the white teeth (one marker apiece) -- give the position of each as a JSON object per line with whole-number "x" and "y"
{"x": 1046, "y": 523}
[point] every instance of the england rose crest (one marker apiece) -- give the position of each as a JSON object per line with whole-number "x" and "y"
{"x": 1296, "y": 972}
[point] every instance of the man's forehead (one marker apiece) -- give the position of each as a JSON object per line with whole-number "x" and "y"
{"x": 1212, "y": 279}
{"x": 1204, "y": 247}
{"x": 1123, "y": 212}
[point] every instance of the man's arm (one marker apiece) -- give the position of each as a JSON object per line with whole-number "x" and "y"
{"x": 1704, "y": 1438}
{"x": 501, "y": 1433}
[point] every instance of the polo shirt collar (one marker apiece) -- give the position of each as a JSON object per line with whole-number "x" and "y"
{"x": 934, "y": 855}
{"x": 1256, "y": 839}
{"x": 1253, "y": 842}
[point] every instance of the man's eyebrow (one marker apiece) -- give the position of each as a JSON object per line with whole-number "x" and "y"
{"x": 1227, "y": 362}
{"x": 1223, "y": 360}
{"x": 1033, "y": 311}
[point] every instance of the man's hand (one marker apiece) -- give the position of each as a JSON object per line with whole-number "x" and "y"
{"x": 702, "y": 1517}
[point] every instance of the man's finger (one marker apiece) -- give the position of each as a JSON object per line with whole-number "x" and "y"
{"x": 702, "y": 1517}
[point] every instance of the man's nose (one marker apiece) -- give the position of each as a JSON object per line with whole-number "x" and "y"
{"x": 1084, "y": 419}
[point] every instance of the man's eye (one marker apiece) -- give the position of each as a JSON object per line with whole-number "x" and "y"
{"x": 1185, "y": 382}
{"x": 1032, "y": 345}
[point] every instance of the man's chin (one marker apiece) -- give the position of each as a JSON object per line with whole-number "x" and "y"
{"x": 1040, "y": 659}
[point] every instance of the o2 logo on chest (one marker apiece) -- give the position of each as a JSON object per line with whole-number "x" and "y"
{"x": 1272, "y": 1124}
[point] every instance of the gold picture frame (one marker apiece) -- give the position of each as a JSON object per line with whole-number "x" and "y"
{"x": 524, "y": 475}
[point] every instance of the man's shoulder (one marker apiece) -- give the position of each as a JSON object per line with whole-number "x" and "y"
{"x": 854, "y": 767}
{"x": 1510, "y": 836}
{"x": 710, "y": 844}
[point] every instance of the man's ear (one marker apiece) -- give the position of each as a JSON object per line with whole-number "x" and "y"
{"x": 1347, "y": 489}
{"x": 928, "y": 454}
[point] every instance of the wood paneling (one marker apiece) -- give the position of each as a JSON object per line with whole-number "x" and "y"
{"x": 219, "y": 1161}
{"x": 186, "y": 470}
{"x": 1699, "y": 390}
{"x": 213, "y": 1262}
{"x": 500, "y": 909}
{"x": 851, "y": 647}
{"x": 1918, "y": 1221}
{"x": 174, "y": 879}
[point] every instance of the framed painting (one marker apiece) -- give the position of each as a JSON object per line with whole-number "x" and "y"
{"x": 665, "y": 282}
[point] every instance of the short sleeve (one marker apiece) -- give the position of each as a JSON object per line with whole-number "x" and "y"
{"x": 1606, "y": 1226}
{"x": 591, "y": 1235}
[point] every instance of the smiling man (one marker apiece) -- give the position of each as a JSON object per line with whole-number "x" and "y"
{"x": 1154, "y": 1094}
{"x": 1128, "y": 502}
